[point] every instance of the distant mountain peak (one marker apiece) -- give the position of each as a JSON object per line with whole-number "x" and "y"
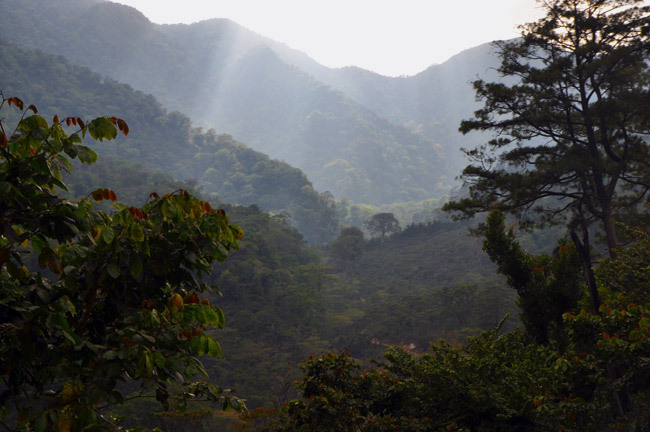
{"x": 119, "y": 11}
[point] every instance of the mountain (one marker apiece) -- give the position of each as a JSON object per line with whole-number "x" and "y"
{"x": 167, "y": 142}
{"x": 373, "y": 139}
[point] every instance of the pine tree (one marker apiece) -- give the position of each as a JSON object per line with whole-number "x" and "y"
{"x": 571, "y": 118}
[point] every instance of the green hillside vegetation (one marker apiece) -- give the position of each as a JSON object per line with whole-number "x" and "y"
{"x": 274, "y": 272}
{"x": 226, "y": 77}
{"x": 168, "y": 142}
{"x": 431, "y": 103}
{"x": 431, "y": 278}
{"x": 284, "y": 303}
{"x": 271, "y": 287}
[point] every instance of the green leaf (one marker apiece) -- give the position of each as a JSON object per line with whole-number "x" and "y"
{"x": 113, "y": 271}
{"x": 140, "y": 367}
{"x": 101, "y": 128}
{"x": 206, "y": 315}
{"x": 86, "y": 155}
{"x": 67, "y": 305}
{"x": 148, "y": 363}
{"x": 71, "y": 337}
{"x": 72, "y": 253}
{"x": 58, "y": 163}
{"x": 38, "y": 243}
{"x": 119, "y": 206}
{"x": 108, "y": 235}
{"x": 111, "y": 355}
{"x": 159, "y": 359}
{"x": 58, "y": 134}
{"x": 136, "y": 233}
{"x": 33, "y": 122}
{"x": 167, "y": 209}
{"x": 220, "y": 314}
{"x": 40, "y": 165}
{"x": 214, "y": 349}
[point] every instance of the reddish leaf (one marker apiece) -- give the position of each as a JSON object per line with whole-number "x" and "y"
{"x": 68, "y": 121}
{"x": 16, "y": 101}
{"x": 103, "y": 194}
{"x": 192, "y": 299}
{"x": 55, "y": 119}
{"x": 97, "y": 194}
{"x": 3, "y": 140}
{"x": 206, "y": 207}
{"x": 221, "y": 212}
{"x": 154, "y": 195}
{"x": 137, "y": 213}
{"x": 55, "y": 264}
{"x": 122, "y": 126}
{"x": 33, "y": 108}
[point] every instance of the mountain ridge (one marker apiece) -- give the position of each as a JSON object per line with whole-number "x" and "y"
{"x": 167, "y": 141}
{"x": 372, "y": 139}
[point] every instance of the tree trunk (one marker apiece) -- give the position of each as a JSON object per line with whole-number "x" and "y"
{"x": 582, "y": 246}
{"x": 610, "y": 233}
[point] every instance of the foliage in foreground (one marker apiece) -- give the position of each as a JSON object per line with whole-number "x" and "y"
{"x": 500, "y": 382}
{"x": 495, "y": 383}
{"x": 118, "y": 309}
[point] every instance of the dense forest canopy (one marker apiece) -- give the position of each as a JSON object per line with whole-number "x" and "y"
{"x": 307, "y": 311}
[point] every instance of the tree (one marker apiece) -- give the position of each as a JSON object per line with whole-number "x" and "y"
{"x": 382, "y": 223}
{"x": 490, "y": 384}
{"x": 571, "y": 120}
{"x": 347, "y": 249}
{"x": 628, "y": 276}
{"x": 120, "y": 302}
{"x": 547, "y": 286}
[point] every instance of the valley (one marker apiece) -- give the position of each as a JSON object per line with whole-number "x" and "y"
{"x": 485, "y": 286}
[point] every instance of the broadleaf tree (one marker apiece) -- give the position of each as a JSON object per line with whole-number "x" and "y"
{"x": 571, "y": 119}
{"x": 118, "y": 307}
{"x": 382, "y": 224}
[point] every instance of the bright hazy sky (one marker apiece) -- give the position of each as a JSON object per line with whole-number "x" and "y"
{"x": 390, "y": 37}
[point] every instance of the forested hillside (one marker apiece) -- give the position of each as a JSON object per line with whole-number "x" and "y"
{"x": 285, "y": 300}
{"x": 431, "y": 103}
{"x": 274, "y": 272}
{"x": 227, "y": 77}
{"x": 168, "y": 142}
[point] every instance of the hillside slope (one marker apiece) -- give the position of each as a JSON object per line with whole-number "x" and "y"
{"x": 167, "y": 142}
{"x": 236, "y": 81}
